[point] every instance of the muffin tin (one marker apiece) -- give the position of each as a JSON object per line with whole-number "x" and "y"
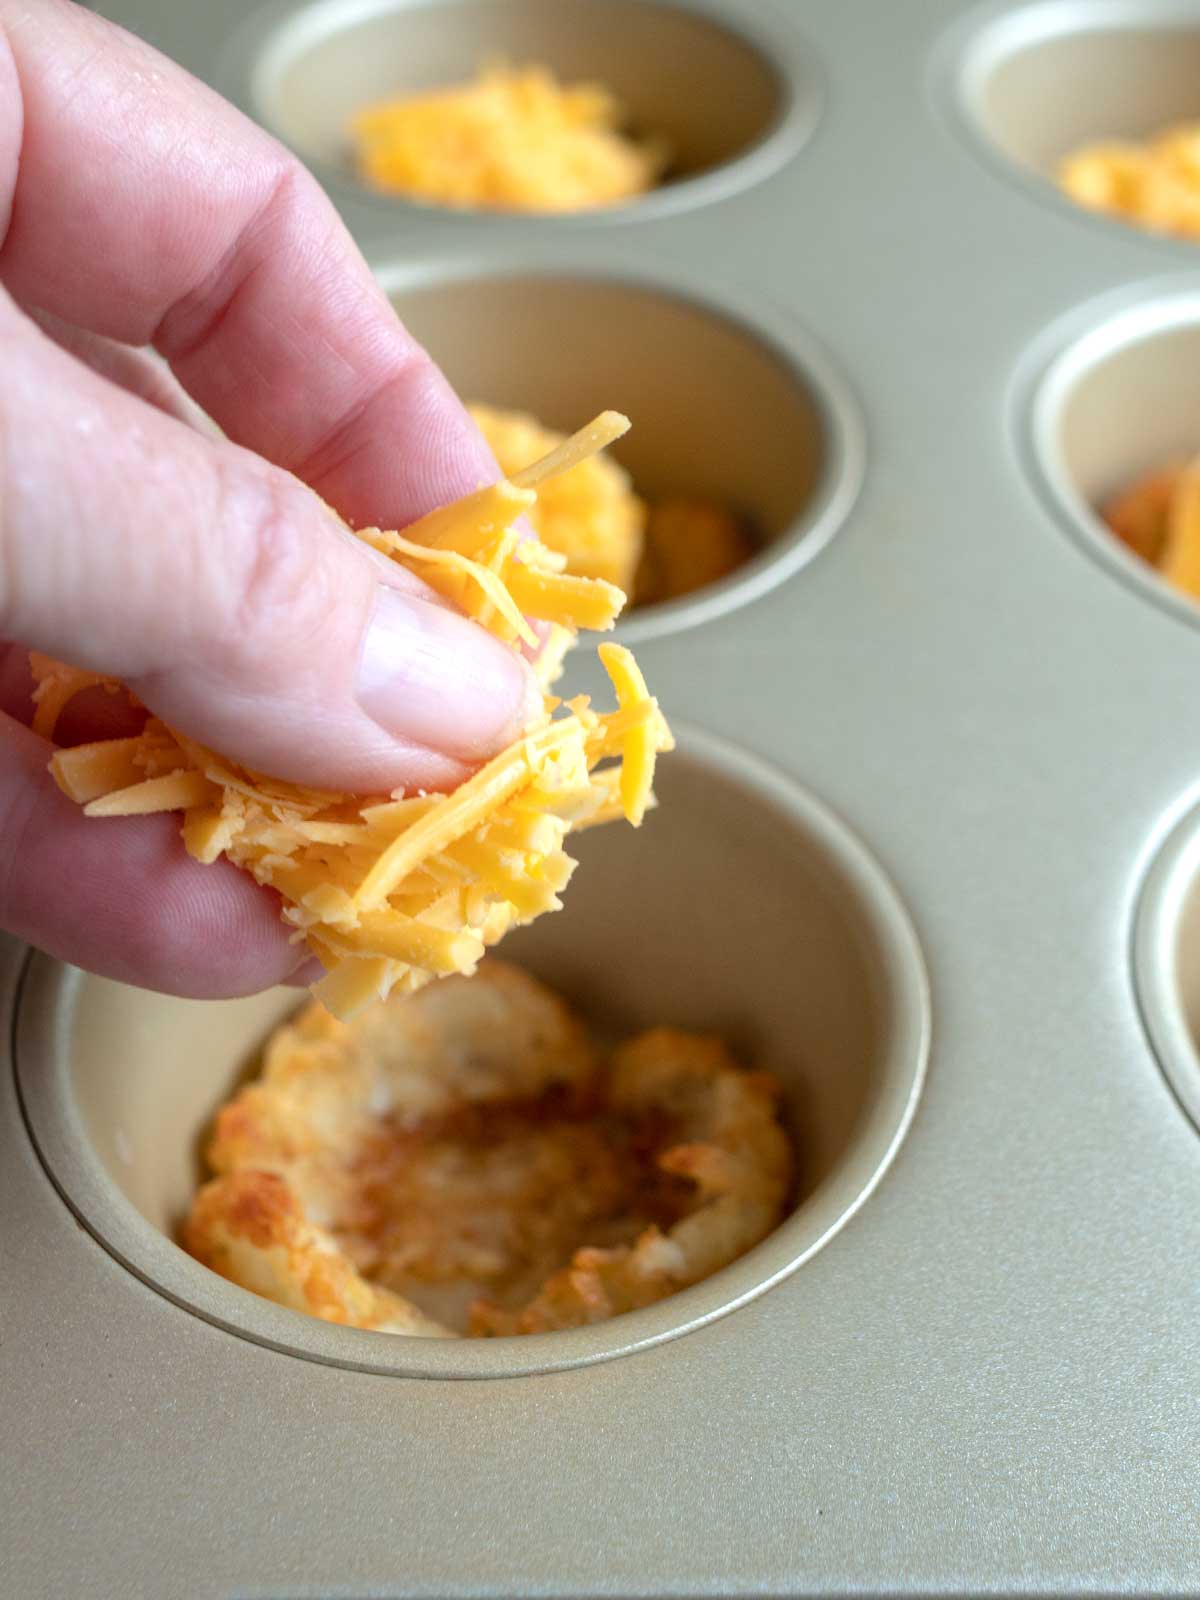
{"x": 935, "y": 766}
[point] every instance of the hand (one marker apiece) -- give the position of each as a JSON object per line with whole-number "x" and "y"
{"x": 139, "y": 209}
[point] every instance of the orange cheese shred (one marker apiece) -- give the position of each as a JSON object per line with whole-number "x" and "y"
{"x": 176, "y": 792}
{"x": 641, "y": 742}
{"x": 88, "y": 771}
{"x": 390, "y": 891}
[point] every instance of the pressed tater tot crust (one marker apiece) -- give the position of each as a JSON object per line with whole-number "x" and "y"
{"x": 464, "y": 1160}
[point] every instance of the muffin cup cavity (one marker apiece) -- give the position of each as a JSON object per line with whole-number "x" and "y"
{"x": 729, "y": 104}
{"x": 1031, "y": 84}
{"x": 726, "y": 402}
{"x": 741, "y": 908}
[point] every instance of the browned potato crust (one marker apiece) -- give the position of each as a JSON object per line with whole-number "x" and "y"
{"x": 464, "y": 1160}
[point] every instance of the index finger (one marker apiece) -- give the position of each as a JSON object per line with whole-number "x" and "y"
{"x": 141, "y": 205}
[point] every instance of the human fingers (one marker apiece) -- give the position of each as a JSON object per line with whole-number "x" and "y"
{"x": 204, "y": 237}
{"x": 139, "y": 372}
{"x": 122, "y": 899}
{"x": 227, "y": 596}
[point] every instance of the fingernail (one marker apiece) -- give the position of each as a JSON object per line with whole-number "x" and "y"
{"x": 432, "y": 677}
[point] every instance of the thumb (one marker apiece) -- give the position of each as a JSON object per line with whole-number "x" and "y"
{"x": 222, "y": 591}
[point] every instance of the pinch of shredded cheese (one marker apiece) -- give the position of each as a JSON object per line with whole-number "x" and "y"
{"x": 1154, "y": 183}
{"x": 391, "y": 891}
{"x": 514, "y": 140}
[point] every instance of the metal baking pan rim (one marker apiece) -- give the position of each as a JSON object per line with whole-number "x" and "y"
{"x": 1172, "y": 861}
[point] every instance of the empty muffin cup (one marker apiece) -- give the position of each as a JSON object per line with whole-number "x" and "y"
{"x": 728, "y": 101}
{"x": 742, "y": 908}
{"x": 727, "y": 404}
{"x": 1166, "y": 954}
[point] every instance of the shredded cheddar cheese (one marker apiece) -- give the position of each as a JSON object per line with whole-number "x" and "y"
{"x": 510, "y": 140}
{"x": 596, "y": 521}
{"x": 1154, "y": 184}
{"x": 590, "y": 514}
{"x": 1158, "y": 518}
{"x": 390, "y": 891}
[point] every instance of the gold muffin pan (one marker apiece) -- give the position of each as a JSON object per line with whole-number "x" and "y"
{"x": 941, "y": 724}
